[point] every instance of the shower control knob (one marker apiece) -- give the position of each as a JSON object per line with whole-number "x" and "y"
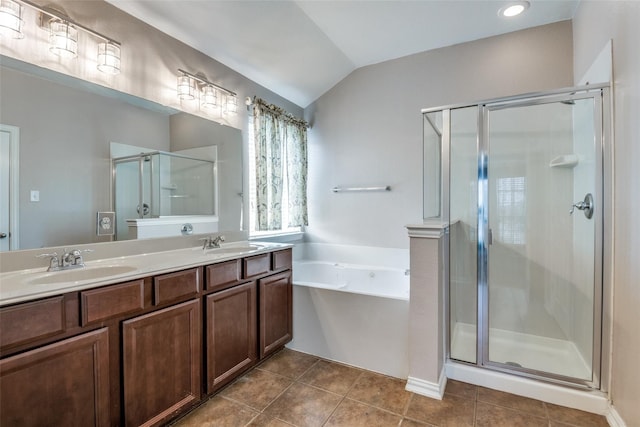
{"x": 585, "y": 205}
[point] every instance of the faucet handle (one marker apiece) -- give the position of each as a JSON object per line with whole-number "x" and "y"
{"x": 52, "y": 254}
{"x": 54, "y": 264}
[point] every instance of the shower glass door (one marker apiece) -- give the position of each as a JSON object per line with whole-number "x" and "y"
{"x": 540, "y": 284}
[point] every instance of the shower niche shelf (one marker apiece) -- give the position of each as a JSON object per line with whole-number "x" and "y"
{"x": 564, "y": 161}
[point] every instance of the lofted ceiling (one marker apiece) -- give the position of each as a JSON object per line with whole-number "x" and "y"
{"x": 300, "y": 49}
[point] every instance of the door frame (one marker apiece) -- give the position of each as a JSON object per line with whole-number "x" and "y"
{"x": 14, "y": 178}
{"x": 601, "y": 145}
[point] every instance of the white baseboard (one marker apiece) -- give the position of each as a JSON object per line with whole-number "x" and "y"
{"x": 614, "y": 419}
{"x": 428, "y": 388}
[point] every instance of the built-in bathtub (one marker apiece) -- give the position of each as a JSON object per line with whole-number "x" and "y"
{"x": 351, "y": 305}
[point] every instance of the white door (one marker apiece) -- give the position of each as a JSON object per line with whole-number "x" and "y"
{"x": 9, "y": 141}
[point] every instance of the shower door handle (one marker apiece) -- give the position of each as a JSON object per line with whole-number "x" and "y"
{"x": 585, "y": 205}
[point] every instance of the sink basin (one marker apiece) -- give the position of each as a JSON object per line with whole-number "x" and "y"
{"x": 80, "y": 274}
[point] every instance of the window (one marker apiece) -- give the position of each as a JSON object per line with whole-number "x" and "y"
{"x": 512, "y": 210}
{"x": 277, "y": 170}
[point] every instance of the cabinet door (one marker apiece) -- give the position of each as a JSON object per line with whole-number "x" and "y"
{"x": 231, "y": 329}
{"x": 275, "y": 312}
{"x": 161, "y": 363}
{"x": 61, "y": 384}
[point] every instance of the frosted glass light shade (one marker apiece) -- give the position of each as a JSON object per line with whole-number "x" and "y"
{"x": 231, "y": 104}
{"x": 11, "y": 19}
{"x": 186, "y": 88}
{"x": 109, "y": 58}
{"x": 63, "y": 38}
{"x": 209, "y": 97}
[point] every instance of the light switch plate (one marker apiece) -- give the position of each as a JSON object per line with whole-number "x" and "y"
{"x": 106, "y": 223}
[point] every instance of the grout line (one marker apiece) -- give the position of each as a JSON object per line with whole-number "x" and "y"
{"x": 406, "y": 405}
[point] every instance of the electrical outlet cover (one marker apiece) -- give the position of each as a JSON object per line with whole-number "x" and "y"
{"x": 106, "y": 223}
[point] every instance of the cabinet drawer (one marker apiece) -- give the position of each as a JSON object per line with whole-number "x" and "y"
{"x": 256, "y": 265}
{"x": 281, "y": 259}
{"x": 29, "y": 321}
{"x": 110, "y": 301}
{"x": 174, "y": 286}
{"x": 222, "y": 275}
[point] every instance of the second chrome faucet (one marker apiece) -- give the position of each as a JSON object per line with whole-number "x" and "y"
{"x": 212, "y": 242}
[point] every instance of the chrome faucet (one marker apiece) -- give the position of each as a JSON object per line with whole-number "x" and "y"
{"x": 212, "y": 242}
{"x": 68, "y": 260}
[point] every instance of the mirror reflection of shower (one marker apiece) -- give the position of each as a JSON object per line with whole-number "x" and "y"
{"x": 159, "y": 188}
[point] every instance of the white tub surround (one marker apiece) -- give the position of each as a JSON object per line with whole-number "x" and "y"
{"x": 428, "y": 247}
{"x": 350, "y": 304}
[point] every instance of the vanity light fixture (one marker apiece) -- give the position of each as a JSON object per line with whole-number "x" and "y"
{"x": 63, "y": 38}
{"x": 63, "y": 33}
{"x": 187, "y": 88}
{"x": 208, "y": 97}
{"x": 109, "y": 57}
{"x": 11, "y": 19}
{"x": 513, "y": 9}
{"x": 211, "y": 94}
{"x": 231, "y": 104}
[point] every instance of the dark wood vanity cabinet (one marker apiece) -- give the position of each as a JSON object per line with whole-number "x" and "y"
{"x": 276, "y": 312}
{"x": 231, "y": 333}
{"x": 161, "y": 355}
{"x": 61, "y": 384}
{"x": 142, "y": 352}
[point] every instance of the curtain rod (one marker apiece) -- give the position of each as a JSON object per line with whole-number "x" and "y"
{"x": 278, "y": 111}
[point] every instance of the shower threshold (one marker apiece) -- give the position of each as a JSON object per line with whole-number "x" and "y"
{"x": 555, "y": 356}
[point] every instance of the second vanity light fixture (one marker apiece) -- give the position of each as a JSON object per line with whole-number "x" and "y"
{"x": 211, "y": 95}
{"x": 63, "y": 33}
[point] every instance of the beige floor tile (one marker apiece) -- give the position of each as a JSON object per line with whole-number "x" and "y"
{"x": 257, "y": 389}
{"x": 461, "y": 389}
{"x": 265, "y": 421}
{"x": 303, "y": 406}
{"x": 380, "y": 391}
{"x": 488, "y": 415}
{"x": 511, "y": 401}
{"x": 413, "y": 423}
{"x": 330, "y": 376}
{"x": 289, "y": 363}
{"x": 575, "y": 417}
{"x": 218, "y": 412}
{"x": 354, "y": 414}
{"x": 450, "y": 411}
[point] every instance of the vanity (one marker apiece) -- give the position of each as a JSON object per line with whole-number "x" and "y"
{"x": 141, "y": 339}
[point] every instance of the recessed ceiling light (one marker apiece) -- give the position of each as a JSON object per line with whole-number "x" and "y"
{"x": 513, "y": 9}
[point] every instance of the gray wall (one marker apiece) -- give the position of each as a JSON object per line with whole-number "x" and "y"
{"x": 367, "y": 130}
{"x": 595, "y": 23}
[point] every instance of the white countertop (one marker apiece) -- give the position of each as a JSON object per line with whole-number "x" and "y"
{"x": 25, "y": 285}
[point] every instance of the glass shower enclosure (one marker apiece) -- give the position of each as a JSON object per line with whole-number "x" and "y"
{"x": 161, "y": 184}
{"x": 520, "y": 183}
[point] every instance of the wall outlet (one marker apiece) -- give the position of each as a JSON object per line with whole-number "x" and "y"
{"x": 35, "y": 196}
{"x": 106, "y": 223}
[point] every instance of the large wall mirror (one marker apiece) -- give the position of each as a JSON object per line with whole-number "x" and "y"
{"x": 66, "y": 128}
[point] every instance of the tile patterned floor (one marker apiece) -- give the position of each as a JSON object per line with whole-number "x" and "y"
{"x": 296, "y": 389}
